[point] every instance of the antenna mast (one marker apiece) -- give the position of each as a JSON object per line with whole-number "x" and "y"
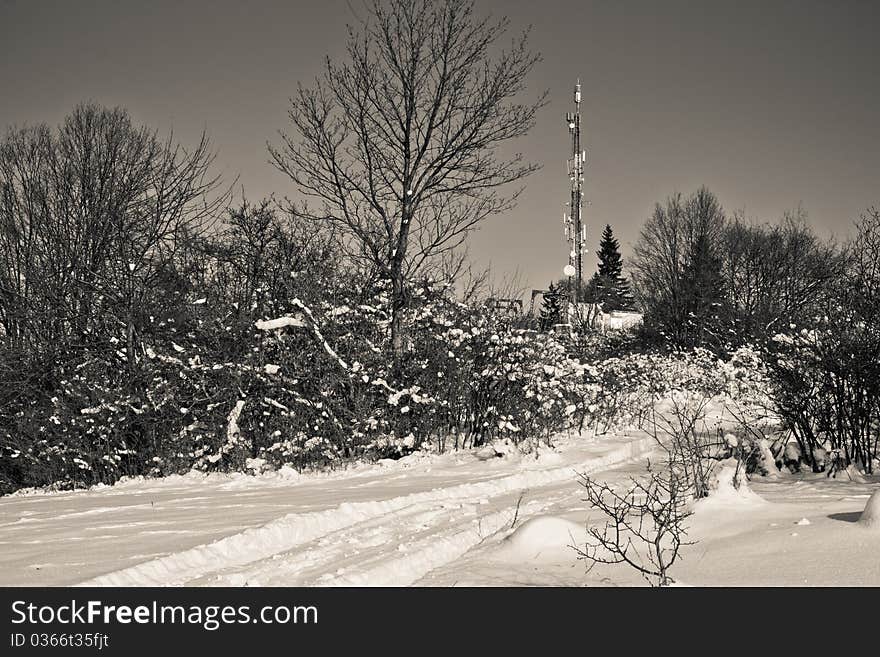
{"x": 575, "y": 230}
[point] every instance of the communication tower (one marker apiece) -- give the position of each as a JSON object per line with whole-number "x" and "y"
{"x": 575, "y": 229}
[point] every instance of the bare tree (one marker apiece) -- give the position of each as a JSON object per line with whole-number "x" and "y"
{"x": 682, "y": 433}
{"x": 91, "y": 217}
{"x": 644, "y": 525}
{"x": 262, "y": 256}
{"x": 400, "y": 145}
{"x": 777, "y": 274}
{"x": 673, "y": 264}
{"x": 825, "y": 382}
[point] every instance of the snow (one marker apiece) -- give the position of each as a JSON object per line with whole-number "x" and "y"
{"x": 448, "y": 520}
{"x": 728, "y": 488}
{"x": 545, "y": 537}
{"x": 274, "y": 530}
{"x": 278, "y": 323}
{"x": 853, "y": 474}
{"x": 767, "y": 463}
{"x": 758, "y": 547}
{"x": 233, "y": 432}
{"x": 619, "y": 320}
{"x": 870, "y": 517}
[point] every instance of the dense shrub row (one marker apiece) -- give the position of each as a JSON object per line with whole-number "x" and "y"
{"x": 314, "y": 387}
{"x": 825, "y": 373}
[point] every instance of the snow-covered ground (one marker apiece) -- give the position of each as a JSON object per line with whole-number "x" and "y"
{"x": 457, "y": 519}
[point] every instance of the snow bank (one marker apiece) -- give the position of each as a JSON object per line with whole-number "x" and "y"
{"x": 852, "y": 473}
{"x": 545, "y": 538}
{"x": 424, "y": 556}
{"x": 766, "y": 461}
{"x": 870, "y": 517}
{"x": 724, "y": 493}
{"x": 505, "y": 448}
{"x": 496, "y": 449}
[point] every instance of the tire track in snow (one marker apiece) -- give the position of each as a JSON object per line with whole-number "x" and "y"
{"x": 297, "y": 529}
{"x": 432, "y": 552}
{"x": 425, "y": 555}
{"x": 363, "y": 545}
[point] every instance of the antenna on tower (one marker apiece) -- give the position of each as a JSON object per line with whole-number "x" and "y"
{"x": 575, "y": 229}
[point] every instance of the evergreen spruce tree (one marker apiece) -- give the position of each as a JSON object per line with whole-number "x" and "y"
{"x": 608, "y": 286}
{"x": 704, "y": 293}
{"x": 610, "y": 262}
{"x": 552, "y": 307}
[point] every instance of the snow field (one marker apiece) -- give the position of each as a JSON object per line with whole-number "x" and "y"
{"x": 283, "y": 535}
{"x": 457, "y": 519}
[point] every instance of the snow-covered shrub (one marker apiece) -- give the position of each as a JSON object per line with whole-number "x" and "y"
{"x": 219, "y": 382}
{"x": 487, "y": 378}
{"x": 624, "y": 389}
{"x": 825, "y": 384}
{"x": 825, "y": 375}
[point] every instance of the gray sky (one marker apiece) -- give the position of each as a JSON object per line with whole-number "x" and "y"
{"x": 769, "y": 103}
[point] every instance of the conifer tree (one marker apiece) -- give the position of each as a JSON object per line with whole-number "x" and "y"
{"x": 608, "y": 286}
{"x": 552, "y": 307}
{"x": 678, "y": 265}
{"x": 704, "y": 292}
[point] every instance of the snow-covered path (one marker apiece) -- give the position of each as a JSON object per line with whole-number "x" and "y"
{"x": 391, "y": 525}
{"x": 449, "y": 520}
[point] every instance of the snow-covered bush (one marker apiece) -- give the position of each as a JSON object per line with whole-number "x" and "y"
{"x": 218, "y": 384}
{"x": 153, "y": 396}
{"x": 825, "y": 373}
{"x": 624, "y": 389}
{"x": 826, "y": 387}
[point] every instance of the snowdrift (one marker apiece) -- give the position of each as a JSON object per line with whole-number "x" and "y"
{"x": 544, "y": 538}
{"x": 870, "y": 517}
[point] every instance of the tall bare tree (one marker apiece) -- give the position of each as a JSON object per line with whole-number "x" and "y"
{"x": 778, "y": 274}
{"x": 674, "y": 265}
{"x": 400, "y": 146}
{"x": 91, "y": 216}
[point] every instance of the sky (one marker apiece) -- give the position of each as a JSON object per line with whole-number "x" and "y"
{"x": 770, "y": 104}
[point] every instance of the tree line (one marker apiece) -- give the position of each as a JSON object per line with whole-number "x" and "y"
{"x": 704, "y": 278}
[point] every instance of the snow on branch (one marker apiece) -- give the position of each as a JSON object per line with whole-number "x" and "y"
{"x": 280, "y": 322}
{"x": 311, "y": 323}
{"x": 233, "y": 432}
